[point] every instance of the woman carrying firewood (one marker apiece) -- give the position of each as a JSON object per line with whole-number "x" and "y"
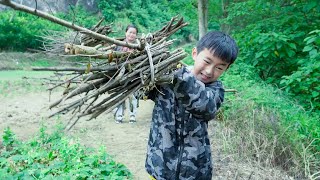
{"x": 131, "y": 34}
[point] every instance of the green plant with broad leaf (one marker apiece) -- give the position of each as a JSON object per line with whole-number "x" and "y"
{"x": 54, "y": 156}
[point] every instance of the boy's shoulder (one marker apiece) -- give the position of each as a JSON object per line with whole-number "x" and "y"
{"x": 189, "y": 68}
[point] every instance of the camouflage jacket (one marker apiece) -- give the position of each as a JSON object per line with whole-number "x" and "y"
{"x": 179, "y": 147}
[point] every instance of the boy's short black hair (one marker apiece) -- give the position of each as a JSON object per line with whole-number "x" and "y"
{"x": 131, "y": 26}
{"x": 220, "y": 45}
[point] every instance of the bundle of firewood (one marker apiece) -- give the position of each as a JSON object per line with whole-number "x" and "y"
{"x": 107, "y": 81}
{"x": 108, "y": 77}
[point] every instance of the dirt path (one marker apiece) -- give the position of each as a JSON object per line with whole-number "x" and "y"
{"x": 126, "y": 142}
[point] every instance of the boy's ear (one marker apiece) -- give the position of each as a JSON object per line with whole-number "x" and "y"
{"x": 194, "y": 53}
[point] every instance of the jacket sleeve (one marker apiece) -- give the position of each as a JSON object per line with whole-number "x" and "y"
{"x": 201, "y": 100}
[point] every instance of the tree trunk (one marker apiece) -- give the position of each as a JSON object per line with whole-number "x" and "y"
{"x": 224, "y": 27}
{"x": 203, "y": 17}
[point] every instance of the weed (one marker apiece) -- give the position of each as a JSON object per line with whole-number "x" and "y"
{"x": 262, "y": 123}
{"x": 56, "y": 156}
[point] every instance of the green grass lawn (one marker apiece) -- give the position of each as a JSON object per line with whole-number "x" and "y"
{"x": 19, "y": 82}
{"x": 18, "y": 75}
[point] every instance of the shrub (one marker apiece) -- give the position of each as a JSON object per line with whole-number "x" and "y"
{"x": 53, "y": 155}
{"x": 263, "y": 123}
{"x": 19, "y": 31}
{"x": 304, "y": 82}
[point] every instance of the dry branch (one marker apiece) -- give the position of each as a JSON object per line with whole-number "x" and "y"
{"x": 103, "y": 85}
{"x": 107, "y": 84}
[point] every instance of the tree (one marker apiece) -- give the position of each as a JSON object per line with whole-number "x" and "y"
{"x": 203, "y": 17}
{"x": 281, "y": 39}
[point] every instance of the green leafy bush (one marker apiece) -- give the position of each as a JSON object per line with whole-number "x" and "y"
{"x": 273, "y": 37}
{"x": 149, "y": 16}
{"x": 19, "y": 31}
{"x": 304, "y": 82}
{"x": 79, "y": 16}
{"x": 49, "y": 156}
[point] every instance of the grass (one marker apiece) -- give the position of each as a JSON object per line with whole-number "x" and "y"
{"x": 20, "y": 74}
{"x": 19, "y": 82}
{"x": 25, "y": 61}
{"x": 16, "y": 76}
{"x": 55, "y": 156}
{"x": 262, "y": 123}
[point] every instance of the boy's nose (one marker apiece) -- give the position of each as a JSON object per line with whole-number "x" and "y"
{"x": 209, "y": 71}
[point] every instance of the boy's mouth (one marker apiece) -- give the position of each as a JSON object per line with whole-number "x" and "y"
{"x": 204, "y": 77}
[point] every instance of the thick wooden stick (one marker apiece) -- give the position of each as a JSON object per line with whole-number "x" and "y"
{"x": 80, "y": 70}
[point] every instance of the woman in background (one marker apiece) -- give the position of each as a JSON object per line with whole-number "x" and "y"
{"x": 131, "y": 35}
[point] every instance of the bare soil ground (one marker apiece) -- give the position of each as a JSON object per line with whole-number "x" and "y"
{"x": 24, "y": 114}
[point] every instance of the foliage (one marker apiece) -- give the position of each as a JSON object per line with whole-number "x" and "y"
{"x": 49, "y": 156}
{"x": 19, "y": 31}
{"x": 274, "y": 37}
{"x": 23, "y": 30}
{"x": 304, "y": 82}
{"x": 79, "y": 16}
{"x": 263, "y": 123}
{"x": 188, "y": 49}
{"x": 134, "y": 12}
{"x": 150, "y": 15}
{"x": 14, "y": 87}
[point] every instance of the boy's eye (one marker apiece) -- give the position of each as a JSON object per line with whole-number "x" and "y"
{"x": 206, "y": 61}
{"x": 219, "y": 68}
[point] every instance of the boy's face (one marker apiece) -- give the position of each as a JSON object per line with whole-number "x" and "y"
{"x": 207, "y": 68}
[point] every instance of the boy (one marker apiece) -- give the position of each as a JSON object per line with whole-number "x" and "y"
{"x": 179, "y": 147}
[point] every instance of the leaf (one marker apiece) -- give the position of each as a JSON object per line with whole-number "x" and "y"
{"x": 88, "y": 68}
{"x": 310, "y": 40}
{"x": 309, "y": 6}
{"x": 3, "y": 161}
{"x": 279, "y": 45}
{"x": 255, "y": 62}
{"x": 293, "y": 46}
{"x": 315, "y": 94}
{"x": 266, "y": 54}
{"x": 50, "y": 155}
{"x": 57, "y": 165}
{"x": 307, "y": 48}
{"x": 8, "y": 137}
{"x": 259, "y": 54}
{"x": 19, "y": 157}
{"x": 290, "y": 52}
{"x": 313, "y": 53}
